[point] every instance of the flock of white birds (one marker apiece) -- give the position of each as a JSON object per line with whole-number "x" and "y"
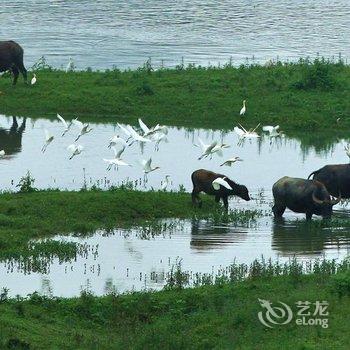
{"x": 157, "y": 135}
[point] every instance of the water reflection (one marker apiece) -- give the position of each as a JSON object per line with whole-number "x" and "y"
{"x": 11, "y": 138}
{"x": 125, "y": 260}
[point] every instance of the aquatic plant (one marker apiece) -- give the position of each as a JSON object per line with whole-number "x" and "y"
{"x": 26, "y": 183}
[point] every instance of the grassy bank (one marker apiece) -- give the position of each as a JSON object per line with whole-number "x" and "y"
{"x": 41, "y": 214}
{"x": 220, "y": 316}
{"x": 308, "y": 95}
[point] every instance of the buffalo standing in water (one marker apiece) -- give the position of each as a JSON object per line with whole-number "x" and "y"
{"x": 335, "y": 177}
{"x": 11, "y": 58}
{"x": 203, "y": 182}
{"x": 302, "y": 196}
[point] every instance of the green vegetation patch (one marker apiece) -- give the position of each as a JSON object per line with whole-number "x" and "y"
{"x": 307, "y": 95}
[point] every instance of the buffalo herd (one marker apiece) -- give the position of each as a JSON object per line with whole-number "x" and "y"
{"x": 308, "y": 196}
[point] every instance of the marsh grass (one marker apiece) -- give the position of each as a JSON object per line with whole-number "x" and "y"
{"x": 309, "y": 95}
{"x": 220, "y": 313}
{"x": 31, "y": 215}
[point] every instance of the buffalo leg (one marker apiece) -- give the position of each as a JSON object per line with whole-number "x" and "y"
{"x": 15, "y": 74}
{"x": 22, "y": 69}
{"x": 195, "y": 197}
{"x": 217, "y": 199}
{"x": 308, "y": 216}
{"x": 225, "y": 200}
{"x": 278, "y": 211}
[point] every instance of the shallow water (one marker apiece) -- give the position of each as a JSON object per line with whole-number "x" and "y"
{"x": 125, "y": 261}
{"x": 122, "y": 261}
{"x": 264, "y": 160}
{"x": 101, "y": 34}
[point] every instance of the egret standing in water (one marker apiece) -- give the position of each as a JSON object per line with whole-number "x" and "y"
{"x": 48, "y": 139}
{"x": 243, "y": 109}
{"x": 2, "y": 153}
{"x": 33, "y": 81}
{"x": 165, "y": 183}
{"x": 70, "y": 66}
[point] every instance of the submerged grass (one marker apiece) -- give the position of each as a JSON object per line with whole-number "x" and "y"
{"x": 305, "y": 94}
{"x": 221, "y": 315}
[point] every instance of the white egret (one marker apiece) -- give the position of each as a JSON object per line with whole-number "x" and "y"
{"x": 84, "y": 128}
{"x": 206, "y": 149}
{"x": 218, "y": 148}
{"x": 243, "y": 133}
{"x": 70, "y": 66}
{"x": 116, "y": 161}
{"x": 158, "y": 138}
{"x": 347, "y": 150}
{"x": 2, "y": 153}
{"x": 231, "y": 161}
{"x": 65, "y": 124}
{"x": 272, "y": 130}
{"x": 243, "y": 109}
{"x": 147, "y": 166}
{"x": 165, "y": 183}
{"x": 220, "y": 181}
{"x": 48, "y": 139}
{"x": 115, "y": 140}
{"x": 125, "y": 130}
{"x": 135, "y": 136}
{"x": 75, "y": 149}
{"x": 146, "y": 130}
{"x": 33, "y": 81}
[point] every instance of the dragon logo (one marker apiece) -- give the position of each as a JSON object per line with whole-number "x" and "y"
{"x": 274, "y": 315}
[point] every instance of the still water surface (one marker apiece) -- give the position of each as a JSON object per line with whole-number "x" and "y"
{"x": 100, "y": 34}
{"x": 123, "y": 260}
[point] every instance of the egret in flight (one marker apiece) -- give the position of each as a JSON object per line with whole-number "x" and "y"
{"x": 206, "y": 149}
{"x": 231, "y": 161}
{"x": 75, "y": 149}
{"x": 147, "y": 166}
{"x": 65, "y": 124}
{"x": 84, "y": 128}
{"x": 48, "y": 139}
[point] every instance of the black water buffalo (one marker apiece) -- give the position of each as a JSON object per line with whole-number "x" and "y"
{"x": 11, "y": 58}
{"x": 203, "y": 182}
{"x": 335, "y": 177}
{"x": 302, "y": 196}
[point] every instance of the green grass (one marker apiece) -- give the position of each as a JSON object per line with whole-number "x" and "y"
{"x": 303, "y": 95}
{"x": 42, "y": 214}
{"x": 219, "y": 316}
